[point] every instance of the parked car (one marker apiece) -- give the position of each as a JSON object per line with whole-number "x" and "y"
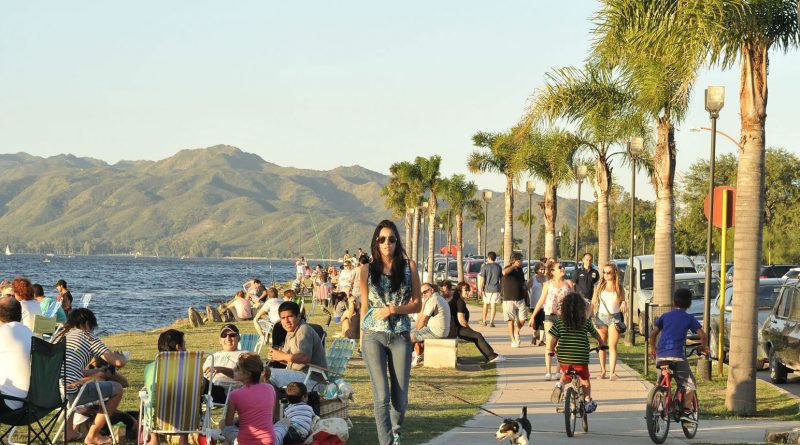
{"x": 792, "y": 273}
{"x": 696, "y": 282}
{"x": 622, "y": 264}
{"x": 780, "y": 333}
{"x": 768, "y": 291}
{"x": 642, "y": 271}
{"x": 768, "y": 271}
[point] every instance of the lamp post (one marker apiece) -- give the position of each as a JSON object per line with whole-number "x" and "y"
{"x": 558, "y": 246}
{"x": 530, "y": 186}
{"x": 715, "y": 100}
{"x": 424, "y": 211}
{"x": 635, "y": 148}
{"x": 487, "y": 195}
{"x": 580, "y": 174}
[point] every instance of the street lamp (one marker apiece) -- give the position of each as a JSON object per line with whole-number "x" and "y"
{"x": 487, "y": 195}
{"x": 635, "y": 148}
{"x": 715, "y": 100}
{"x": 530, "y": 186}
{"x": 580, "y": 174}
{"x": 558, "y": 247}
{"x": 424, "y": 211}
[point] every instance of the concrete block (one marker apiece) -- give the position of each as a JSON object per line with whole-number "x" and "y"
{"x": 440, "y": 353}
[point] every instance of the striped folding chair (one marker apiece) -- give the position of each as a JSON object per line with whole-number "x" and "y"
{"x": 337, "y": 356}
{"x": 175, "y": 405}
{"x": 248, "y": 342}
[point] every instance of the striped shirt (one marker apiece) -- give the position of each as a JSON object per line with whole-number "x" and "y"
{"x": 573, "y": 346}
{"x": 301, "y": 417}
{"x": 81, "y": 348}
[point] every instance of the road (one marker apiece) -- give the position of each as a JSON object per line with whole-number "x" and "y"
{"x": 792, "y": 385}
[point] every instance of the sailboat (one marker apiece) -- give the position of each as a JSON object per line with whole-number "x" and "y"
{"x": 8, "y": 250}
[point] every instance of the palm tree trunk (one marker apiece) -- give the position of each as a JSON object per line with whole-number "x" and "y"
{"x": 740, "y": 397}
{"x": 460, "y": 246}
{"x": 663, "y": 179}
{"x": 550, "y": 214}
{"x": 431, "y": 232}
{"x": 508, "y": 230}
{"x": 415, "y": 236}
{"x": 407, "y": 239}
{"x": 602, "y": 186}
{"x": 479, "y": 229}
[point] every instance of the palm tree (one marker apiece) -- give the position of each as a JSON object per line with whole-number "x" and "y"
{"x": 499, "y": 154}
{"x": 476, "y": 215}
{"x": 404, "y": 191}
{"x": 430, "y": 180}
{"x": 459, "y": 195}
{"x": 549, "y": 157}
{"x": 602, "y": 107}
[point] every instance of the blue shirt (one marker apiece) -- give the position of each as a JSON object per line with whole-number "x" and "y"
{"x": 673, "y": 326}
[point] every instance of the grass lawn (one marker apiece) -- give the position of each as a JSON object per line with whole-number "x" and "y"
{"x": 771, "y": 403}
{"x": 430, "y": 412}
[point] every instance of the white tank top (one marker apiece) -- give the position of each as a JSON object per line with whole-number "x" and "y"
{"x": 609, "y": 303}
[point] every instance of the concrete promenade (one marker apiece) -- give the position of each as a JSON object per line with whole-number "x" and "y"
{"x": 619, "y": 418}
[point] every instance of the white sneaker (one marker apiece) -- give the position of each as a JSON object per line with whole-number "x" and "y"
{"x": 516, "y": 337}
{"x": 416, "y": 361}
{"x": 548, "y": 376}
{"x": 514, "y": 344}
{"x": 498, "y": 359}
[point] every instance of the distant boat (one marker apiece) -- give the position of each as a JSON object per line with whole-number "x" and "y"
{"x": 8, "y": 250}
{"x": 46, "y": 260}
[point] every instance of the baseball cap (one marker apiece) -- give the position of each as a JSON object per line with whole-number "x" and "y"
{"x": 228, "y": 327}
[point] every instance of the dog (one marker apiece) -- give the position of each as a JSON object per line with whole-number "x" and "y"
{"x": 517, "y": 431}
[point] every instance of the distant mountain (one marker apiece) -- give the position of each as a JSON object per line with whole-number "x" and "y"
{"x": 204, "y": 202}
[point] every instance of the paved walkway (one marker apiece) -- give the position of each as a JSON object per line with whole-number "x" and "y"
{"x": 619, "y": 418}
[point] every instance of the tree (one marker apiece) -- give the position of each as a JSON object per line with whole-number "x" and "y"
{"x": 499, "y": 154}
{"x": 430, "y": 181}
{"x": 403, "y": 191}
{"x": 565, "y": 245}
{"x": 602, "y": 107}
{"x": 527, "y": 219}
{"x": 539, "y": 249}
{"x": 476, "y": 215}
{"x": 459, "y": 194}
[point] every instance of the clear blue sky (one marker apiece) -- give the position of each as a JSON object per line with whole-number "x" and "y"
{"x": 308, "y": 84}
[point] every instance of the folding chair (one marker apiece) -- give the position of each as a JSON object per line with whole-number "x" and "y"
{"x": 52, "y": 310}
{"x": 44, "y": 326}
{"x": 174, "y": 407}
{"x": 85, "y": 300}
{"x": 47, "y": 371}
{"x": 337, "y": 356}
{"x": 248, "y": 342}
{"x": 266, "y": 326}
{"x": 84, "y": 383}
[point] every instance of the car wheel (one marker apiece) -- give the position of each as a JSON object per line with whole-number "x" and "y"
{"x": 777, "y": 372}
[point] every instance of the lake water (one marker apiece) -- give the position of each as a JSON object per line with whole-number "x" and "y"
{"x": 134, "y": 294}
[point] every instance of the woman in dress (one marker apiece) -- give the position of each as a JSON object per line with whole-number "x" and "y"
{"x": 553, "y": 292}
{"x": 609, "y": 302}
{"x": 390, "y": 291}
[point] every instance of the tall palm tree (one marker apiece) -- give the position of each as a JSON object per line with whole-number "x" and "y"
{"x": 499, "y": 154}
{"x": 602, "y": 107}
{"x": 396, "y": 193}
{"x": 459, "y": 195}
{"x": 476, "y": 215}
{"x": 404, "y": 190}
{"x": 549, "y": 157}
{"x": 661, "y": 77}
{"x": 430, "y": 179}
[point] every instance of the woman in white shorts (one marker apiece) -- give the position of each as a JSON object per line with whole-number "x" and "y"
{"x": 553, "y": 292}
{"x": 609, "y": 302}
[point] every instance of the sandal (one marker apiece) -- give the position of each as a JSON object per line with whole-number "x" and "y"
{"x": 614, "y": 377}
{"x": 602, "y": 375}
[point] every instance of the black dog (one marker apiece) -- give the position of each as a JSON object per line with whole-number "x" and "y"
{"x": 518, "y": 431}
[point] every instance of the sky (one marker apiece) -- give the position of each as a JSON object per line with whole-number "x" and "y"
{"x": 314, "y": 84}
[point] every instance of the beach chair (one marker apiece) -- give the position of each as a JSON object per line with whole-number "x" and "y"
{"x": 44, "y": 326}
{"x": 85, "y": 300}
{"x": 175, "y": 406}
{"x": 84, "y": 383}
{"x": 44, "y": 397}
{"x": 52, "y": 310}
{"x": 337, "y": 356}
{"x": 248, "y": 342}
{"x": 266, "y": 326}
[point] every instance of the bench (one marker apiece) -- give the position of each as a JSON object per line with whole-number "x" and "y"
{"x": 440, "y": 353}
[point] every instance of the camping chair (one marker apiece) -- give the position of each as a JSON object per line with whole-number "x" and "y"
{"x": 85, "y": 300}
{"x": 44, "y": 396}
{"x": 337, "y": 356}
{"x": 175, "y": 405}
{"x": 86, "y": 381}
{"x": 248, "y": 342}
{"x": 52, "y": 310}
{"x": 267, "y": 327}
{"x": 44, "y": 326}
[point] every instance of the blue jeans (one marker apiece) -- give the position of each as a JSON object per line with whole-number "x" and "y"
{"x": 381, "y": 350}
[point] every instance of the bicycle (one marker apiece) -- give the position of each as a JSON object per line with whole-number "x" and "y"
{"x": 574, "y": 403}
{"x": 664, "y": 406}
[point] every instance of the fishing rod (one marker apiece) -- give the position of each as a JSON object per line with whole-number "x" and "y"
{"x": 194, "y": 288}
{"x": 316, "y": 236}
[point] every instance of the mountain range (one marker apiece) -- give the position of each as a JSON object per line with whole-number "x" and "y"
{"x": 216, "y": 201}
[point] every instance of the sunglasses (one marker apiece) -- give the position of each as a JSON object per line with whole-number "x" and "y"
{"x": 559, "y": 268}
{"x": 608, "y": 272}
{"x": 427, "y": 290}
{"x": 391, "y": 238}
{"x": 229, "y": 335}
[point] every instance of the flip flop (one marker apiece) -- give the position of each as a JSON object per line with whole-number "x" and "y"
{"x": 105, "y": 441}
{"x": 602, "y": 376}
{"x": 614, "y": 377}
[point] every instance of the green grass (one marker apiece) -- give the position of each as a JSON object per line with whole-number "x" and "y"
{"x": 771, "y": 403}
{"x": 429, "y": 414}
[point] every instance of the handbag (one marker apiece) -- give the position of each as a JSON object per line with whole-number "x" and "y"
{"x": 618, "y": 323}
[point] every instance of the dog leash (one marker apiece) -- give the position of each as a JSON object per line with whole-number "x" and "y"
{"x": 465, "y": 401}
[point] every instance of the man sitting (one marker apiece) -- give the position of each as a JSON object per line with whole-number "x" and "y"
{"x": 301, "y": 348}
{"x": 15, "y": 354}
{"x": 47, "y": 304}
{"x": 432, "y": 322}
{"x": 224, "y": 362}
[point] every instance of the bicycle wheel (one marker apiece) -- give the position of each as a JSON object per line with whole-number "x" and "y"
{"x": 657, "y": 414}
{"x": 570, "y": 411}
{"x": 690, "y": 428}
{"x": 584, "y": 419}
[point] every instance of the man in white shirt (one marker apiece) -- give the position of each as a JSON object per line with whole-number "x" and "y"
{"x": 15, "y": 354}
{"x": 432, "y": 322}
{"x": 224, "y": 362}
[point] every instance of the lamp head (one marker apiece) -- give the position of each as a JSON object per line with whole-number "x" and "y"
{"x": 580, "y": 172}
{"x": 425, "y": 205}
{"x": 715, "y": 100}
{"x": 487, "y": 195}
{"x": 635, "y": 147}
{"x": 530, "y": 186}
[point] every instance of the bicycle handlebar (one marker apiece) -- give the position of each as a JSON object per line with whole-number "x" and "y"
{"x": 595, "y": 349}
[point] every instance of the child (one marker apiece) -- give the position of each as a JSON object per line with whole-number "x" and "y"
{"x": 254, "y": 402}
{"x": 570, "y": 333}
{"x": 672, "y": 344}
{"x": 299, "y": 415}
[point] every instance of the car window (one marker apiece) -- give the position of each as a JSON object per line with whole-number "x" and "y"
{"x": 697, "y": 286}
{"x": 794, "y": 310}
{"x": 767, "y": 296}
{"x": 781, "y": 269}
{"x": 785, "y": 304}
{"x": 729, "y": 296}
{"x": 646, "y": 279}
{"x": 475, "y": 267}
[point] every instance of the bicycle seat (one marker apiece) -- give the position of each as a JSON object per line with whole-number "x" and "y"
{"x": 665, "y": 365}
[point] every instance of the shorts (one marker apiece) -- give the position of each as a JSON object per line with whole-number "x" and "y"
{"x": 419, "y": 336}
{"x": 89, "y": 395}
{"x": 680, "y": 371}
{"x": 491, "y": 297}
{"x": 603, "y": 320}
{"x": 515, "y": 310}
{"x": 551, "y": 318}
{"x": 581, "y": 370}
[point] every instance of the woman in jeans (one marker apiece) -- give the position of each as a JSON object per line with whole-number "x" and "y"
{"x": 390, "y": 290}
{"x": 608, "y": 301}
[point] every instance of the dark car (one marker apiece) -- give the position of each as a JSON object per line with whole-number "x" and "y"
{"x": 768, "y": 291}
{"x": 768, "y": 271}
{"x": 780, "y": 333}
{"x": 696, "y": 282}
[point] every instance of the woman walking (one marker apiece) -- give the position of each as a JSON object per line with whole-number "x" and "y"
{"x": 390, "y": 290}
{"x": 553, "y": 293}
{"x": 609, "y": 302}
{"x": 535, "y": 286}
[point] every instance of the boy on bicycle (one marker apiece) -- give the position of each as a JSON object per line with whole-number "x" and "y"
{"x": 672, "y": 346}
{"x": 571, "y": 334}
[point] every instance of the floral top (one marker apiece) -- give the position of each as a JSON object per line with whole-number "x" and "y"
{"x": 382, "y": 296}
{"x": 555, "y": 295}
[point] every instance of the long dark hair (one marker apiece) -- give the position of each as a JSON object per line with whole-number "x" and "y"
{"x": 573, "y": 311}
{"x": 398, "y": 260}
{"x": 80, "y": 318}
